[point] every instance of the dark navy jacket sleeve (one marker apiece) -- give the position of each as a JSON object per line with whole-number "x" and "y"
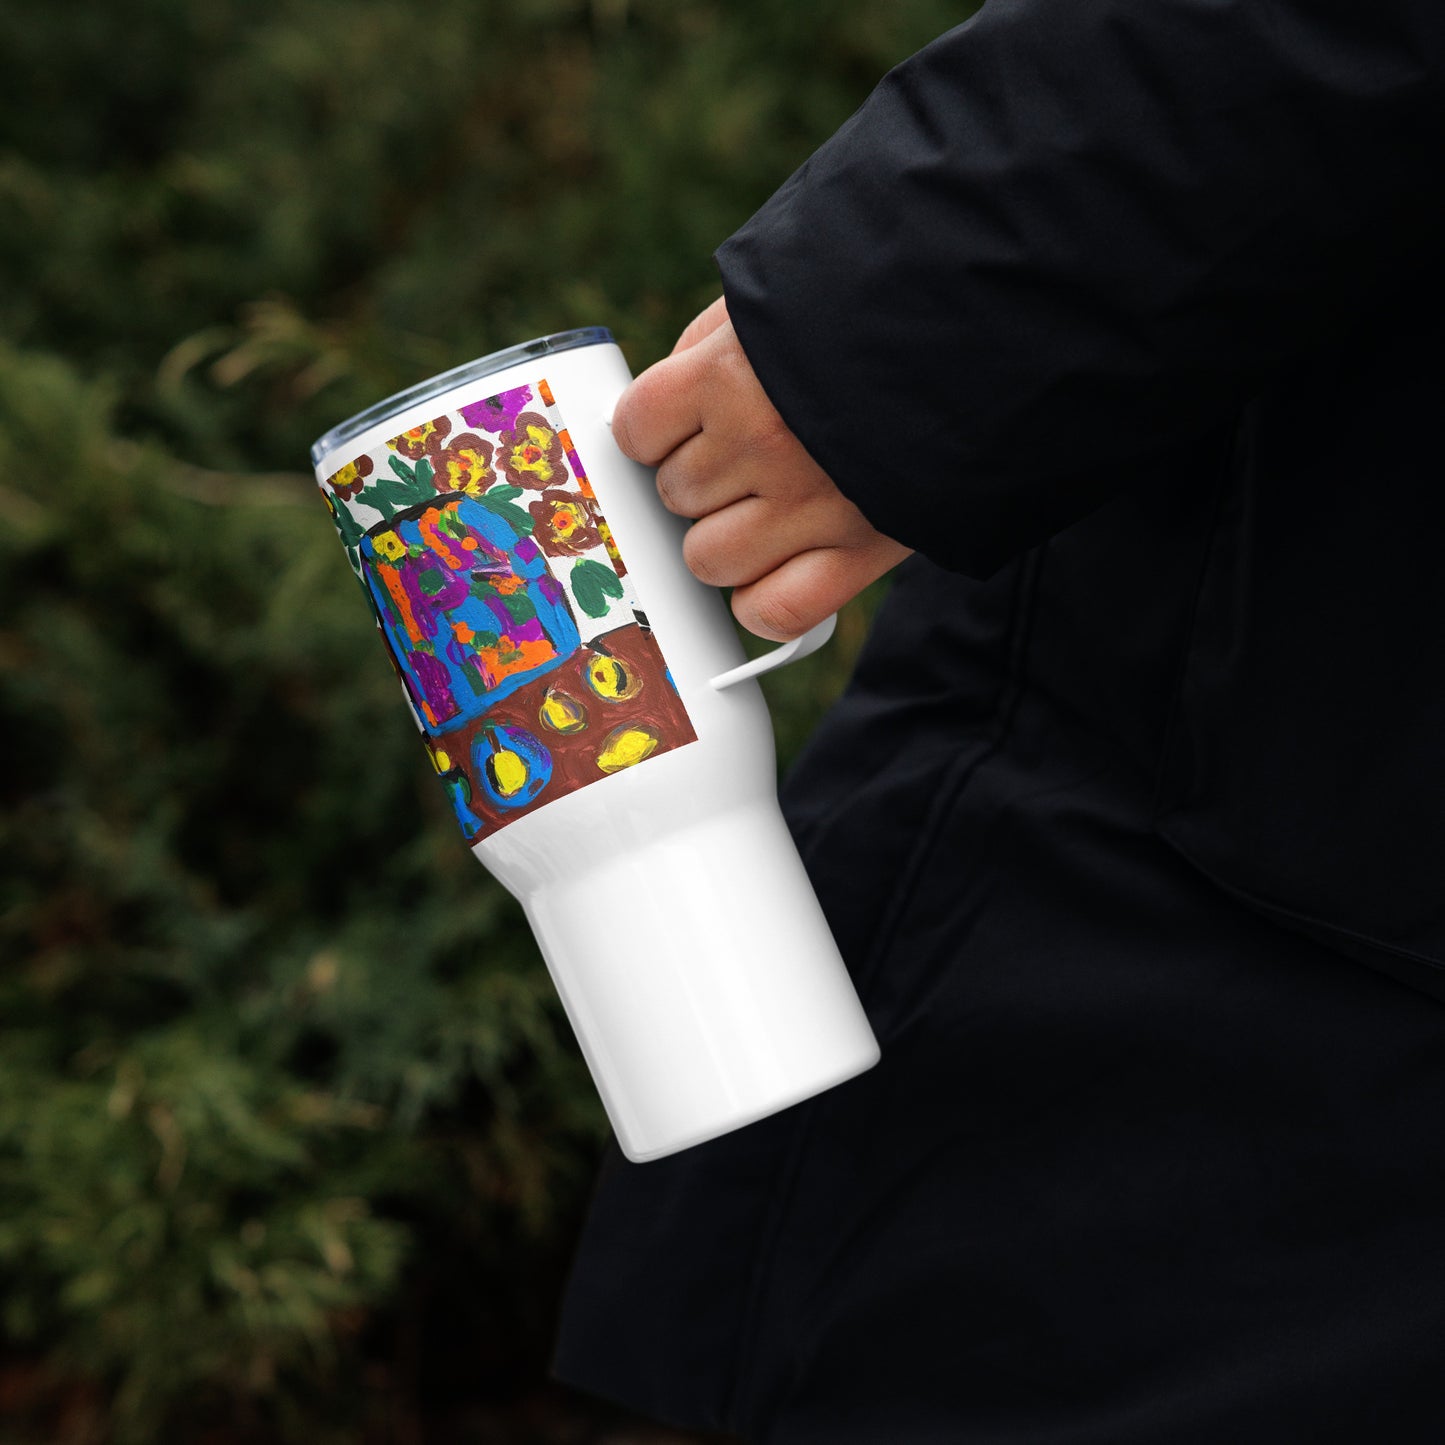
{"x": 1070, "y": 236}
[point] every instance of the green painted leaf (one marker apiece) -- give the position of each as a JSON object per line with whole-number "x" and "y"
{"x": 389, "y": 494}
{"x": 350, "y": 529}
{"x": 377, "y": 497}
{"x": 408, "y": 486}
{"x": 593, "y": 584}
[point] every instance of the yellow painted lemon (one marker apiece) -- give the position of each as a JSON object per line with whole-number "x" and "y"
{"x": 509, "y": 772}
{"x": 624, "y": 747}
{"x": 511, "y": 764}
{"x": 561, "y": 712}
{"x": 612, "y": 679}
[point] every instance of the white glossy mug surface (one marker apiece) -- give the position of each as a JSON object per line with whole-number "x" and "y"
{"x": 597, "y": 725}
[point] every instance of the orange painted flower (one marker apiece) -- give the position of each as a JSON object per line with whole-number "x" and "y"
{"x": 531, "y": 454}
{"x": 563, "y": 524}
{"x": 464, "y": 466}
{"x": 423, "y": 440}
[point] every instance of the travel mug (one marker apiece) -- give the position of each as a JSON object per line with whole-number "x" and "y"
{"x": 589, "y": 709}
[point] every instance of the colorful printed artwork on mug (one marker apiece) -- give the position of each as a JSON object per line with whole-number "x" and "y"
{"x": 506, "y": 607}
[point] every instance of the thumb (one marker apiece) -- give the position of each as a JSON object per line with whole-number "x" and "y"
{"x": 702, "y": 325}
{"x": 806, "y": 588}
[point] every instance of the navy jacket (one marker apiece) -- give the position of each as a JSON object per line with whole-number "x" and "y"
{"x": 1076, "y": 252}
{"x": 1125, "y": 315}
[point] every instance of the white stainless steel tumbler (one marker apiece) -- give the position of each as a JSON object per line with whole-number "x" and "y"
{"x": 589, "y": 709}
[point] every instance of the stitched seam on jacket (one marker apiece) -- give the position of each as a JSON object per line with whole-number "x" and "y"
{"x": 1020, "y": 629}
{"x": 958, "y": 773}
{"x": 810, "y": 838}
{"x": 1315, "y": 925}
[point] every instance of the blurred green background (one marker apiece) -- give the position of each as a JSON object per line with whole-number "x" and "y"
{"x": 295, "y": 1142}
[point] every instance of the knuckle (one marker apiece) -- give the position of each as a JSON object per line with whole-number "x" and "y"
{"x": 772, "y": 431}
{"x": 702, "y": 558}
{"x": 771, "y": 443}
{"x": 778, "y": 614}
{"x": 673, "y": 488}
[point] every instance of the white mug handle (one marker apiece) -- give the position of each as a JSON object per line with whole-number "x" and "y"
{"x": 784, "y": 652}
{"x": 790, "y": 651}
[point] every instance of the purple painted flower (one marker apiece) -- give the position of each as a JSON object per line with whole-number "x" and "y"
{"x": 498, "y": 413}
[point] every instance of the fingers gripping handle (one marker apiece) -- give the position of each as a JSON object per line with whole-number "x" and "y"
{"x": 786, "y": 652}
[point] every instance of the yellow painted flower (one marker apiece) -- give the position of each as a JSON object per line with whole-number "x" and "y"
{"x": 605, "y": 532}
{"x": 562, "y": 525}
{"x": 566, "y": 519}
{"x": 347, "y": 481}
{"x": 389, "y": 545}
{"x": 625, "y": 747}
{"x": 531, "y": 454}
{"x": 464, "y": 466}
{"x": 417, "y": 441}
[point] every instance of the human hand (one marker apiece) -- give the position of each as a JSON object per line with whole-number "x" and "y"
{"x": 770, "y": 523}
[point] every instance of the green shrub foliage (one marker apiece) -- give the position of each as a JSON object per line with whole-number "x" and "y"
{"x": 294, "y": 1138}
